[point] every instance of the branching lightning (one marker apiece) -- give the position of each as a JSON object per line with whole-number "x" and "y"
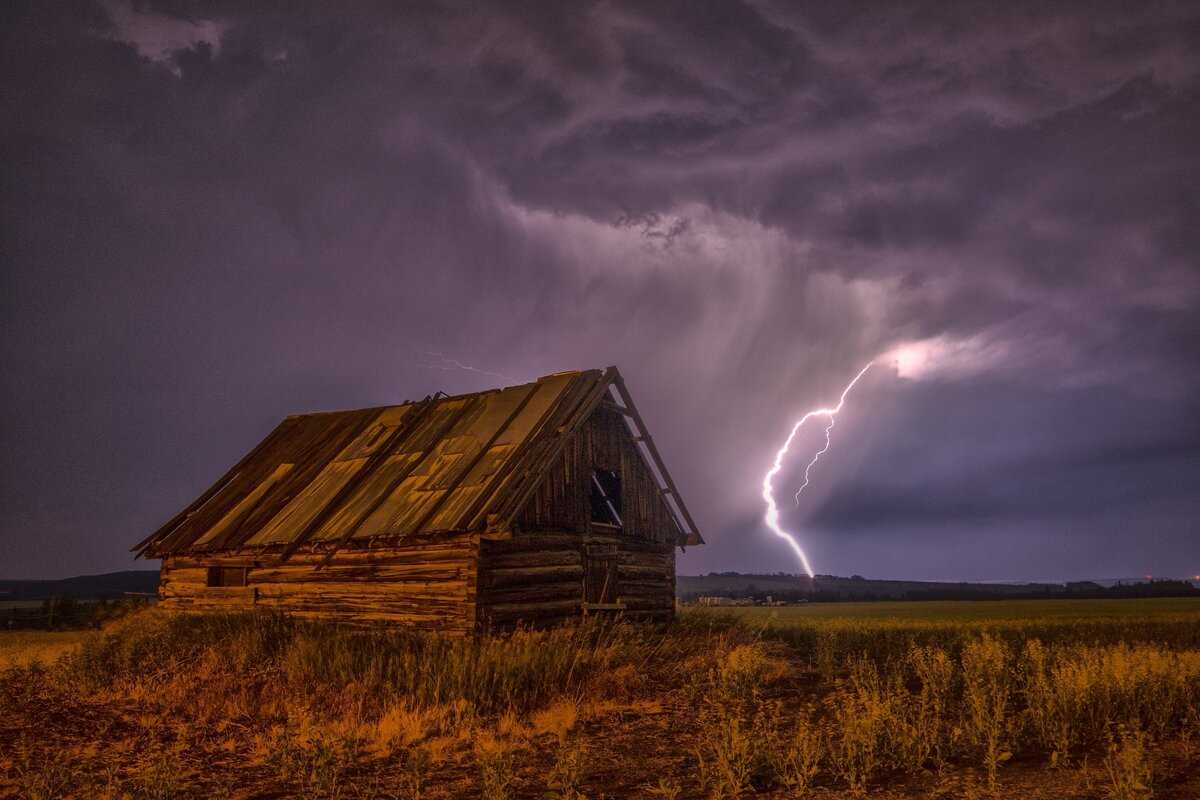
{"x": 816, "y": 457}
{"x": 772, "y": 516}
{"x": 446, "y": 363}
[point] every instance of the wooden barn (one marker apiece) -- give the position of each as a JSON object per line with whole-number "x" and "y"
{"x": 530, "y": 504}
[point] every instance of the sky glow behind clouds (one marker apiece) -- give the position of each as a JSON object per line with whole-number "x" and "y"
{"x": 218, "y": 214}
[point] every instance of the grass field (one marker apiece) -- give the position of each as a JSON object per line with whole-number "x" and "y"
{"x": 22, "y": 648}
{"x": 971, "y": 610}
{"x": 1029, "y": 699}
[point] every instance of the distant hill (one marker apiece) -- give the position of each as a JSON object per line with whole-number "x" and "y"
{"x": 834, "y": 588}
{"x": 83, "y": 587}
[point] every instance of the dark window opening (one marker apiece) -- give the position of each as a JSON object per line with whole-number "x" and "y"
{"x": 606, "y": 497}
{"x": 227, "y": 576}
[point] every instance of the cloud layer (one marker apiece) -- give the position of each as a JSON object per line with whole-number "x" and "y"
{"x": 216, "y": 214}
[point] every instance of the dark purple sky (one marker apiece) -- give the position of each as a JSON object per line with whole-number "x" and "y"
{"x": 218, "y": 214}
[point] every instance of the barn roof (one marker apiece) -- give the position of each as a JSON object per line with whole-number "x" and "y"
{"x": 459, "y": 463}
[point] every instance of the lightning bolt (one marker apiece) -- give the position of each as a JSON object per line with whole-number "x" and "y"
{"x": 772, "y": 516}
{"x": 448, "y": 364}
{"x": 816, "y": 457}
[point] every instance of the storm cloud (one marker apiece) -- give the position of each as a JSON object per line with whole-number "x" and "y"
{"x": 218, "y": 214}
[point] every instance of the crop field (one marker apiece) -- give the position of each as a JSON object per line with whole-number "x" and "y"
{"x": 982, "y": 610}
{"x": 1016, "y": 699}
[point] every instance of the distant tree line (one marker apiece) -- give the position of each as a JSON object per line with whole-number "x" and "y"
{"x": 63, "y": 612}
{"x": 1084, "y": 590}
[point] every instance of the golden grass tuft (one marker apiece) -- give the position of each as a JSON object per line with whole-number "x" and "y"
{"x": 559, "y": 719}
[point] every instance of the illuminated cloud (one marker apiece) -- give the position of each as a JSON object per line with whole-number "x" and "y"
{"x": 945, "y": 357}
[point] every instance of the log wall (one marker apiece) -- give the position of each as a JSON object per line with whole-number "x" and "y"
{"x": 538, "y": 578}
{"x": 428, "y": 584}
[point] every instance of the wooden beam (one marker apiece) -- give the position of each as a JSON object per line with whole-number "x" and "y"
{"x": 627, "y": 399}
{"x": 602, "y": 606}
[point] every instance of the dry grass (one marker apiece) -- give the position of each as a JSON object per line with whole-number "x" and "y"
{"x": 164, "y": 706}
{"x": 1130, "y": 776}
{"x": 23, "y": 648}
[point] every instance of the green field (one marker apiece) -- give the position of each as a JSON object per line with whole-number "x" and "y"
{"x": 974, "y": 610}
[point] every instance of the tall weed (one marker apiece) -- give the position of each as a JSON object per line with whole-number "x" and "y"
{"x": 1127, "y": 766}
{"x": 931, "y": 708}
{"x": 986, "y": 688}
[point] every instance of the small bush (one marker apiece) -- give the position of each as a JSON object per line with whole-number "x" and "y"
{"x": 160, "y": 779}
{"x": 986, "y": 690}
{"x": 42, "y": 779}
{"x": 495, "y": 760}
{"x": 666, "y": 789}
{"x": 415, "y": 773}
{"x": 868, "y": 714}
{"x": 727, "y": 754}
{"x": 802, "y": 755}
{"x": 565, "y": 779}
{"x": 743, "y": 670}
{"x": 931, "y": 721}
{"x": 1127, "y": 766}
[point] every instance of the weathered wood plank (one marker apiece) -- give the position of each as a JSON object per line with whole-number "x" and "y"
{"x": 533, "y": 558}
{"x": 648, "y": 604}
{"x": 458, "y": 547}
{"x": 549, "y": 540}
{"x": 194, "y": 575}
{"x": 455, "y": 589}
{"x": 531, "y": 576}
{"x": 514, "y": 611}
{"x": 569, "y": 590}
{"x": 244, "y": 593}
{"x": 432, "y": 571}
{"x": 349, "y": 605}
{"x": 633, "y": 573}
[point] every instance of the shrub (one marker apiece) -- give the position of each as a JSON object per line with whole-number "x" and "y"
{"x": 1127, "y": 766}
{"x": 986, "y": 689}
{"x": 801, "y": 758}
{"x": 934, "y": 672}
{"x": 565, "y": 779}
{"x": 42, "y": 778}
{"x": 727, "y": 754}
{"x": 496, "y": 776}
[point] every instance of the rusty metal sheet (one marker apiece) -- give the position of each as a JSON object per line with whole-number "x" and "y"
{"x": 376, "y": 435}
{"x": 498, "y": 414}
{"x": 530, "y": 410}
{"x": 369, "y": 495}
{"x": 308, "y": 442}
{"x": 242, "y": 509}
{"x": 304, "y": 508}
{"x": 374, "y": 472}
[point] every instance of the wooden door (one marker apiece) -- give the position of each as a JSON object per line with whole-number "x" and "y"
{"x": 600, "y": 576}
